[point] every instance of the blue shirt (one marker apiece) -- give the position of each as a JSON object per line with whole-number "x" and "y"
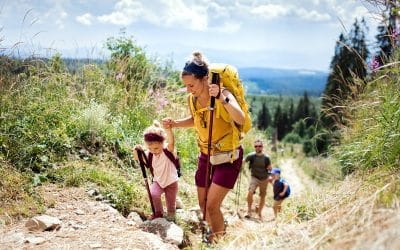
{"x": 278, "y": 188}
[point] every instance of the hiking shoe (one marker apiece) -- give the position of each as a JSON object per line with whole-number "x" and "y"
{"x": 154, "y": 216}
{"x": 171, "y": 218}
{"x": 206, "y": 237}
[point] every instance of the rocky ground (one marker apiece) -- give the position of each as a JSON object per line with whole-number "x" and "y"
{"x": 85, "y": 223}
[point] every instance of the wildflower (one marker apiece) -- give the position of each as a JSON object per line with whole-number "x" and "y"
{"x": 162, "y": 102}
{"x": 119, "y": 76}
{"x": 375, "y": 64}
{"x": 395, "y": 33}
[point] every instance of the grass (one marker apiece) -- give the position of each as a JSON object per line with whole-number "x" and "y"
{"x": 322, "y": 170}
{"x": 18, "y": 198}
{"x": 121, "y": 187}
{"x": 345, "y": 214}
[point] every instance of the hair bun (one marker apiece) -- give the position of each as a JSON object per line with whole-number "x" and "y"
{"x": 156, "y": 124}
{"x": 197, "y": 56}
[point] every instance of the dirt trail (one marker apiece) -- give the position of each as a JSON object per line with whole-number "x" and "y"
{"x": 89, "y": 224}
{"x": 85, "y": 224}
{"x": 298, "y": 180}
{"x": 250, "y": 233}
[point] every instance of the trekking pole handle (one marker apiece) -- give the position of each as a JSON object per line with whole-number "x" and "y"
{"x": 142, "y": 162}
{"x": 214, "y": 80}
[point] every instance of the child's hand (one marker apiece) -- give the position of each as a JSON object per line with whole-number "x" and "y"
{"x": 167, "y": 123}
{"x": 134, "y": 151}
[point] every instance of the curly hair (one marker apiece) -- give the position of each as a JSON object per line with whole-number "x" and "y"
{"x": 154, "y": 133}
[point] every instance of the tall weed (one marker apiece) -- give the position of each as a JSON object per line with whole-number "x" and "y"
{"x": 373, "y": 137}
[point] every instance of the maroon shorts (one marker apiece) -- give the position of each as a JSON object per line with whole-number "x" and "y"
{"x": 224, "y": 174}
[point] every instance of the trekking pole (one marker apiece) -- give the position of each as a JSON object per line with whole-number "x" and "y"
{"x": 143, "y": 162}
{"x": 238, "y": 195}
{"x": 214, "y": 80}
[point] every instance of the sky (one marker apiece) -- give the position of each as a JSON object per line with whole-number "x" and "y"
{"x": 295, "y": 34}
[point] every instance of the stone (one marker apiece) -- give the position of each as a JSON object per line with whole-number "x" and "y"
{"x": 168, "y": 231}
{"x": 35, "y": 240}
{"x": 179, "y": 203}
{"x": 42, "y": 223}
{"x": 135, "y": 217}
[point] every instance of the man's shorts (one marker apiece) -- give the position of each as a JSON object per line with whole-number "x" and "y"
{"x": 224, "y": 174}
{"x": 255, "y": 182}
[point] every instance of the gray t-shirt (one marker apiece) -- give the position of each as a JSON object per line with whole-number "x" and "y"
{"x": 258, "y": 165}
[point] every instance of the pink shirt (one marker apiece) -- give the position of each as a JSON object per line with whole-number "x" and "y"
{"x": 164, "y": 170}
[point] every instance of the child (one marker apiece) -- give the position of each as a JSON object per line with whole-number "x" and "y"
{"x": 281, "y": 190}
{"x": 165, "y": 176}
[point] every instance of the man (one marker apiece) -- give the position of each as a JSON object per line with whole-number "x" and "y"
{"x": 260, "y": 166}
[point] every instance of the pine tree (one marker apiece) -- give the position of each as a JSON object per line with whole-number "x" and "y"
{"x": 388, "y": 32}
{"x": 303, "y": 108}
{"x": 263, "y": 117}
{"x": 348, "y": 62}
{"x": 291, "y": 113}
{"x": 280, "y": 122}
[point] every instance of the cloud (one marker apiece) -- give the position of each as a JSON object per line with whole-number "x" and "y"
{"x": 85, "y": 19}
{"x": 271, "y": 11}
{"x": 228, "y": 27}
{"x": 60, "y": 19}
{"x": 178, "y": 13}
{"x": 125, "y": 12}
{"x": 312, "y": 15}
{"x": 275, "y": 11}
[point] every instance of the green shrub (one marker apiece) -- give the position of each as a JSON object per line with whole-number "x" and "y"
{"x": 292, "y": 138}
{"x": 373, "y": 137}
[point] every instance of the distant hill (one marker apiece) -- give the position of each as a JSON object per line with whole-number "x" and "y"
{"x": 283, "y": 81}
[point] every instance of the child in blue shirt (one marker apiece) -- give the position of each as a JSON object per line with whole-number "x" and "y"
{"x": 281, "y": 190}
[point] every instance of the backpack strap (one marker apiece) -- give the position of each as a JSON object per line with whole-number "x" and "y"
{"x": 171, "y": 157}
{"x": 174, "y": 160}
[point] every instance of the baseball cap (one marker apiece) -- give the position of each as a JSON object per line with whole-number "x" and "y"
{"x": 276, "y": 171}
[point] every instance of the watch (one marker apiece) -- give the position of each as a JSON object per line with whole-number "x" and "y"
{"x": 225, "y": 101}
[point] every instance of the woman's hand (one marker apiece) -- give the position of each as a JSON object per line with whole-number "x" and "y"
{"x": 213, "y": 90}
{"x": 168, "y": 123}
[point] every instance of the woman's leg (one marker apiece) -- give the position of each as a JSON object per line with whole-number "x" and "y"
{"x": 216, "y": 195}
{"x": 156, "y": 192}
{"x": 170, "y": 198}
{"x": 201, "y": 192}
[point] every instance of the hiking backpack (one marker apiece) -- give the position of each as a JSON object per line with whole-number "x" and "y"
{"x": 229, "y": 79}
{"x": 171, "y": 157}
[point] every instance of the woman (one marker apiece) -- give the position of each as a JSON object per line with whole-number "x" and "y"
{"x": 226, "y": 166}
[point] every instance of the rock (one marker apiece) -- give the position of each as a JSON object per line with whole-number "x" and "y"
{"x": 189, "y": 217}
{"x": 42, "y": 223}
{"x": 144, "y": 240}
{"x": 168, "y": 231}
{"x": 179, "y": 203}
{"x": 79, "y": 212}
{"x": 92, "y": 192}
{"x": 135, "y": 217}
{"x": 99, "y": 197}
{"x": 10, "y": 237}
{"x": 35, "y": 240}
{"x": 95, "y": 245}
